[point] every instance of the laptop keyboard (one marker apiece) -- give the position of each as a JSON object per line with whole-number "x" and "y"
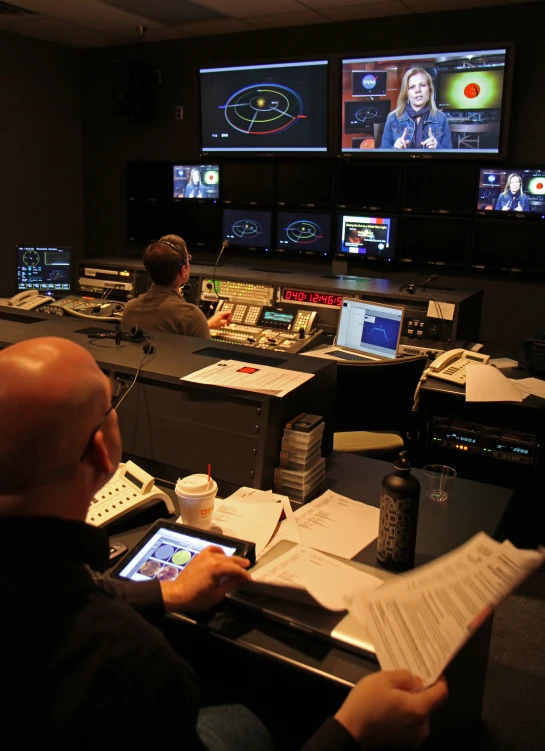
{"x": 348, "y": 355}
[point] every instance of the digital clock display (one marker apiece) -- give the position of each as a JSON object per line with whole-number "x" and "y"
{"x": 311, "y": 298}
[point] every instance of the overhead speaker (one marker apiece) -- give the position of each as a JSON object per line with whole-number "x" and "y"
{"x": 132, "y": 88}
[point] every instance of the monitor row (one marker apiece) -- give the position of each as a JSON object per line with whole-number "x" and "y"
{"x": 447, "y": 101}
{"x": 457, "y": 189}
{"x": 384, "y": 239}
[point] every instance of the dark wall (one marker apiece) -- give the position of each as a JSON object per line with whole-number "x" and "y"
{"x": 110, "y": 140}
{"x": 41, "y": 194}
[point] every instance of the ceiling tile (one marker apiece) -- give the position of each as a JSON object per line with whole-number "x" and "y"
{"x": 221, "y": 26}
{"x": 371, "y": 10}
{"x": 64, "y": 33}
{"x": 168, "y": 11}
{"x": 429, "y": 6}
{"x": 304, "y": 18}
{"x": 92, "y": 14}
{"x": 253, "y": 8}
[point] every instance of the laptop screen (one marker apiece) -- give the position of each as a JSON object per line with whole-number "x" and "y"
{"x": 369, "y": 328}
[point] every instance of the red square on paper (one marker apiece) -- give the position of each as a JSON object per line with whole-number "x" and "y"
{"x": 247, "y": 369}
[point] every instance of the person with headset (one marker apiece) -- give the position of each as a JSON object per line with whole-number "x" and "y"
{"x": 79, "y": 655}
{"x": 162, "y": 307}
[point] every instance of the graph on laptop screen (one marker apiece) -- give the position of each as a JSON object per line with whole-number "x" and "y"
{"x": 370, "y": 328}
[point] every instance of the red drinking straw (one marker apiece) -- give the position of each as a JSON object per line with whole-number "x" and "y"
{"x": 209, "y": 474}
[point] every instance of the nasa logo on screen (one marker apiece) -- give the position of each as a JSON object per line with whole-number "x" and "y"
{"x": 369, "y": 82}
{"x": 491, "y": 179}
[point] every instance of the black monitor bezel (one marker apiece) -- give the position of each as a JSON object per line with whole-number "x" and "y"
{"x": 508, "y": 167}
{"x": 29, "y": 246}
{"x": 364, "y": 258}
{"x": 293, "y": 252}
{"x": 191, "y": 163}
{"x": 271, "y": 153}
{"x": 429, "y": 154}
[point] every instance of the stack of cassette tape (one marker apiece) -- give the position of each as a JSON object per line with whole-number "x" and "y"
{"x": 301, "y": 474}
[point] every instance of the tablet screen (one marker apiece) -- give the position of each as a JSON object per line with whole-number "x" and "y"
{"x": 166, "y": 554}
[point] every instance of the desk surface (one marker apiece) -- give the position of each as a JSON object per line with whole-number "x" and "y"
{"x": 472, "y": 507}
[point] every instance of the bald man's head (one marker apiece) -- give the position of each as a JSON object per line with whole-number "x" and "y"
{"x": 52, "y": 397}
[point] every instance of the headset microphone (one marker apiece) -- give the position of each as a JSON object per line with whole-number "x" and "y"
{"x": 149, "y": 348}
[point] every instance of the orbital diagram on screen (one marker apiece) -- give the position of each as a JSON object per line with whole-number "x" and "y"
{"x": 262, "y": 109}
{"x": 303, "y": 232}
{"x": 247, "y": 228}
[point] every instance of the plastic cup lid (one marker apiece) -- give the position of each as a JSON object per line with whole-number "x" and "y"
{"x": 195, "y": 485}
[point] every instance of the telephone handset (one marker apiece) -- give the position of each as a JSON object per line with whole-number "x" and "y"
{"x": 130, "y": 489}
{"x": 29, "y": 299}
{"x": 451, "y": 365}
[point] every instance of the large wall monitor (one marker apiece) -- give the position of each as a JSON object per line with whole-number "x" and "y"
{"x": 247, "y": 228}
{"x": 451, "y": 102}
{"x": 303, "y": 232}
{"x": 512, "y": 191}
{"x": 196, "y": 181}
{"x": 44, "y": 268}
{"x": 265, "y": 108}
{"x": 366, "y": 237}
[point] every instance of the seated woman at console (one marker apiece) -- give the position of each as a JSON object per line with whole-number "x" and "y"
{"x": 416, "y": 123}
{"x": 513, "y": 197}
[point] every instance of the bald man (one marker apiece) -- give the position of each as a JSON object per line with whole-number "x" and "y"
{"x": 81, "y": 667}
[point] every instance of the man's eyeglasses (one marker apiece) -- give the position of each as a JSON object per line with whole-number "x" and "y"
{"x": 95, "y": 431}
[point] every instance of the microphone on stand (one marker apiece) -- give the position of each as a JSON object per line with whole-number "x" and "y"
{"x": 224, "y": 245}
{"x": 411, "y": 288}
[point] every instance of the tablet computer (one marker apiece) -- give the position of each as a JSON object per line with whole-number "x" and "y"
{"x": 166, "y": 549}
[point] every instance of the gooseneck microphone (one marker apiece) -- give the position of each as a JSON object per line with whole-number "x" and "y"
{"x": 411, "y": 288}
{"x": 224, "y": 245}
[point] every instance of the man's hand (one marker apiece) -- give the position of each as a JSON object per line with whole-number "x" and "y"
{"x": 430, "y": 142}
{"x": 205, "y": 581}
{"x": 219, "y": 320}
{"x": 402, "y": 142}
{"x": 390, "y": 709}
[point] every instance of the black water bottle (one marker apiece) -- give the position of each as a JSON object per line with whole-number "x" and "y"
{"x": 399, "y": 498}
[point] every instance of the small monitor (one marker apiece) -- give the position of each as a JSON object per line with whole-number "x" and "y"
{"x": 247, "y": 228}
{"x": 196, "y": 181}
{"x": 369, "y": 83}
{"x": 47, "y": 269}
{"x": 280, "y": 107}
{"x": 364, "y": 237}
{"x": 304, "y": 232}
{"x": 371, "y": 186}
{"x": 249, "y": 183}
{"x": 435, "y": 240}
{"x": 512, "y": 191}
{"x": 310, "y": 184}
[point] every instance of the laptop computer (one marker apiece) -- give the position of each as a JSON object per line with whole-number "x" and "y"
{"x": 366, "y": 331}
{"x": 339, "y": 629}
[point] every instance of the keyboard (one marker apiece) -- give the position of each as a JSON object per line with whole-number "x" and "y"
{"x": 348, "y": 355}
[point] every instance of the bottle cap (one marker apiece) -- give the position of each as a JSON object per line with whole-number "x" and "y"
{"x": 402, "y": 463}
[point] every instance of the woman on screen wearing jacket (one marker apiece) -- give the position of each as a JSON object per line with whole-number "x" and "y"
{"x": 416, "y": 123}
{"x": 513, "y": 197}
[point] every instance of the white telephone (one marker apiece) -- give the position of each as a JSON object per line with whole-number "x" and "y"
{"x": 29, "y": 299}
{"x": 130, "y": 489}
{"x": 451, "y": 365}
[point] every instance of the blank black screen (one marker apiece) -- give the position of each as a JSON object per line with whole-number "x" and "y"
{"x": 438, "y": 240}
{"x": 433, "y": 188}
{"x": 305, "y": 184}
{"x": 248, "y": 183}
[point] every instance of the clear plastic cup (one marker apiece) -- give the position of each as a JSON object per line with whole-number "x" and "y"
{"x": 438, "y": 479}
{"x": 196, "y": 495}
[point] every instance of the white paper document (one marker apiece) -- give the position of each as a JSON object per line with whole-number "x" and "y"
{"x": 486, "y": 384}
{"x": 261, "y": 379}
{"x": 421, "y": 619}
{"x": 527, "y": 386}
{"x": 255, "y": 522}
{"x": 336, "y": 524}
{"x": 306, "y": 575}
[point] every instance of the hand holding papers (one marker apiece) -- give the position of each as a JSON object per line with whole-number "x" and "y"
{"x": 260, "y": 379}
{"x": 420, "y": 620}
